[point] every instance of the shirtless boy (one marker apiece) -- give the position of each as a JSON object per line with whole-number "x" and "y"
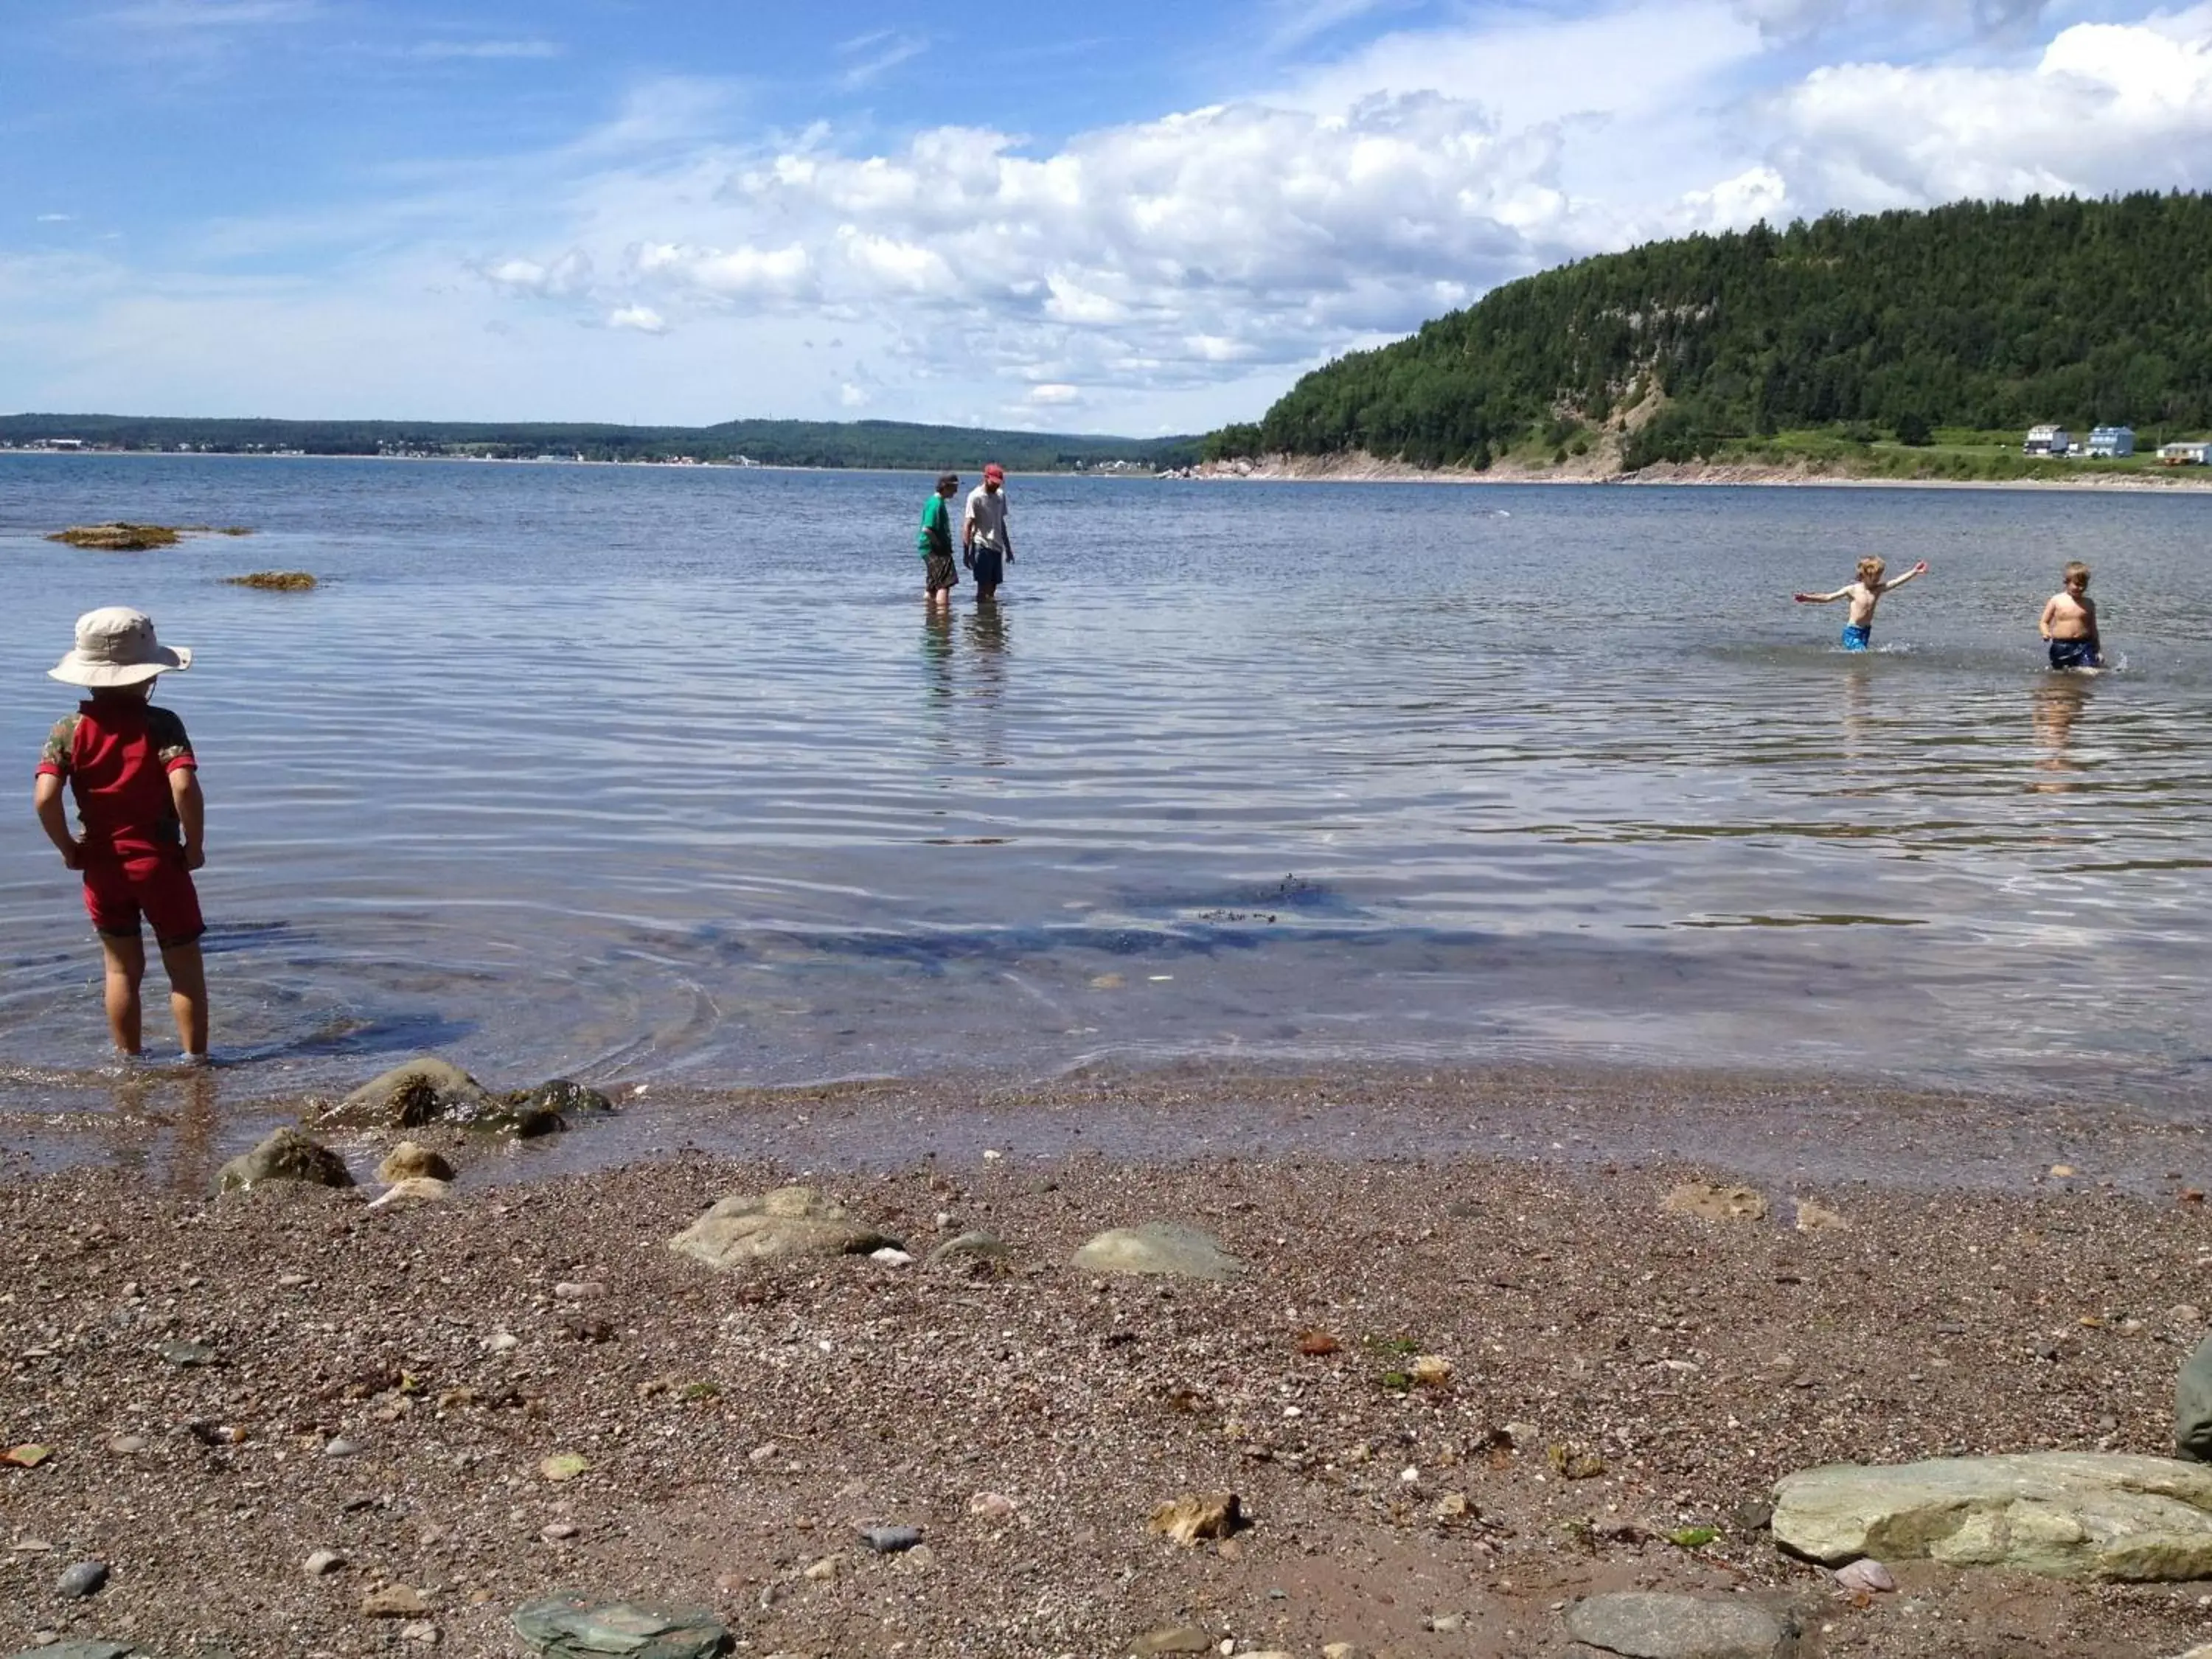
{"x": 1865, "y": 594}
{"x": 2069, "y": 621}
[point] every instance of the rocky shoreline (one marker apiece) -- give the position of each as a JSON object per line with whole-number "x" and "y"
{"x": 1602, "y": 466}
{"x": 1459, "y": 1401}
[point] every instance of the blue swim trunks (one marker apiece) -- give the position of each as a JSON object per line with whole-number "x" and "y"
{"x": 2074, "y": 653}
{"x": 1856, "y": 635}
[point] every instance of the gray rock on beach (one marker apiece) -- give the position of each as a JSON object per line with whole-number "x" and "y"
{"x": 1164, "y": 1248}
{"x": 85, "y": 1578}
{"x": 1659, "y": 1624}
{"x": 566, "y": 1626}
{"x": 2103, "y": 1516}
{"x": 974, "y": 1246}
{"x": 2192, "y": 1406}
{"x": 286, "y": 1155}
{"x": 91, "y": 1649}
{"x": 791, "y": 1221}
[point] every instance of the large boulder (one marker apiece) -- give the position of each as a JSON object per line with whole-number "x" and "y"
{"x": 2064, "y": 1515}
{"x": 791, "y": 1221}
{"x": 426, "y": 1091}
{"x": 565, "y": 1626}
{"x": 286, "y": 1155}
{"x": 1662, "y": 1625}
{"x": 1164, "y": 1248}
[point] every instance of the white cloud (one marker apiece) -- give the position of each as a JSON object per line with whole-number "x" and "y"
{"x": 871, "y": 57}
{"x": 642, "y": 319}
{"x": 568, "y": 275}
{"x": 56, "y": 218}
{"x": 1301, "y": 21}
{"x": 2106, "y": 107}
{"x": 851, "y": 397}
{"x": 738, "y": 274}
{"x": 488, "y": 49}
{"x": 1055, "y": 394}
{"x": 212, "y": 14}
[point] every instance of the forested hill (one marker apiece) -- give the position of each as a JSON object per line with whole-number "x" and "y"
{"x": 891, "y": 444}
{"x": 1980, "y": 315}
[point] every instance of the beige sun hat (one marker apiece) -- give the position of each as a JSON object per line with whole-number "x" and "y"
{"x": 115, "y": 646}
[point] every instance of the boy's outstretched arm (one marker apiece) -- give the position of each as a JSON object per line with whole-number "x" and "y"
{"x": 1920, "y": 569}
{"x": 192, "y": 813}
{"x": 54, "y": 819}
{"x": 1821, "y": 599}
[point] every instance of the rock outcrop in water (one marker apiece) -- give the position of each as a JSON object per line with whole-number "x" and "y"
{"x": 428, "y": 1090}
{"x": 274, "y": 582}
{"x": 118, "y": 538}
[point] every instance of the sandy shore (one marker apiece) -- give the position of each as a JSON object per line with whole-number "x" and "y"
{"x": 388, "y": 1384}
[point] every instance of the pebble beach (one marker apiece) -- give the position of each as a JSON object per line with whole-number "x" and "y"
{"x": 1455, "y": 1391}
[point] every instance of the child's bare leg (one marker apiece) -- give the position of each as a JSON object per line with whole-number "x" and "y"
{"x": 125, "y": 959}
{"x": 187, "y": 994}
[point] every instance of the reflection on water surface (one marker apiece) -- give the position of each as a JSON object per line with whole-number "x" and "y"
{"x": 643, "y": 773}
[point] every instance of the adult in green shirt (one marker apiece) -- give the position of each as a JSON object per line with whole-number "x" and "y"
{"x": 933, "y": 541}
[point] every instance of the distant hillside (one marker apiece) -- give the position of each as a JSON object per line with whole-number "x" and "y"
{"x": 778, "y": 443}
{"x": 1977, "y": 315}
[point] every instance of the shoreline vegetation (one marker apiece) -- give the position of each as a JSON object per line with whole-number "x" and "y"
{"x": 888, "y": 445}
{"x": 1460, "y": 1397}
{"x": 1900, "y": 347}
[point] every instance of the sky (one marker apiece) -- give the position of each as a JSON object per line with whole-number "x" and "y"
{"x": 1141, "y": 217}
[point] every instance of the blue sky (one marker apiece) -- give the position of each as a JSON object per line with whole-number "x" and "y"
{"x": 1139, "y": 217}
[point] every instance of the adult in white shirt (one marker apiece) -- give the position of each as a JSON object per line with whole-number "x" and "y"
{"x": 986, "y": 545}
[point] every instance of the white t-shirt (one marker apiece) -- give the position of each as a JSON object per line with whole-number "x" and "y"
{"x": 986, "y": 512}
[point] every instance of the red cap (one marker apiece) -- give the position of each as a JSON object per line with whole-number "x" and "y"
{"x": 995, "y": 473}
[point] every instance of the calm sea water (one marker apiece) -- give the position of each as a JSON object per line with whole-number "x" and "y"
{"x": 663, "y": 774}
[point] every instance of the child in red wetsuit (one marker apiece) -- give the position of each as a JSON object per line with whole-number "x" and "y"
{"x": 137, "y": 792}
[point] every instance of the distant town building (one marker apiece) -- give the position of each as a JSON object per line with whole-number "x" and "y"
{"x": 2047, "y": 440}
{"x": 2112, "y": 440}
{"x": 2196, "y": 453}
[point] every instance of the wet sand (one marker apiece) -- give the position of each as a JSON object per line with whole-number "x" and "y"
{"x": 739, "y": 1431}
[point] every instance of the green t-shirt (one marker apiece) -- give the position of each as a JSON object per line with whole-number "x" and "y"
{"x": 935, "y": 533}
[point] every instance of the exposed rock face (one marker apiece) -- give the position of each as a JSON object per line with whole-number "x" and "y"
{"x": 1158, "y": 1247}
{"x": 569, "y": 1626}
{"x": 286, "y": 1155}
{"x": 791, "y": 1221}
{"x": 2064, "y": 1515}
{"x": 1658, "y": 1624}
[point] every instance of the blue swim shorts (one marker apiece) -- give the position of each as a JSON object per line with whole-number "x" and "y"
{"x": 1857, "y": 635}
{"x": 2074, "y": 653}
